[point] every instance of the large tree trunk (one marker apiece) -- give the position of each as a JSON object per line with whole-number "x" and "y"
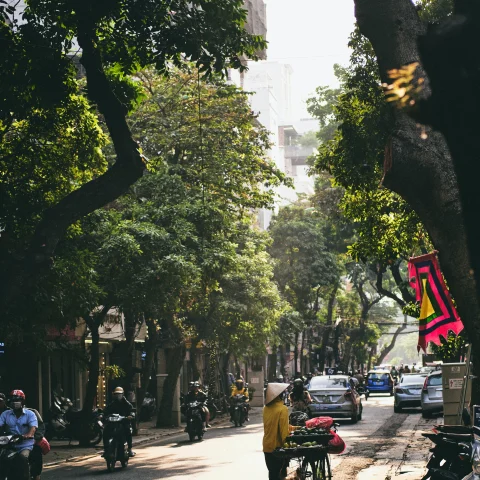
{"x": 130, "y": 327}
{"x": 174, "y": 359}
{"x": 422, "y": 171}
{"x": 281, "y": 349}
{"x": 295, "y": 353}
{"x": 93, "y": 367}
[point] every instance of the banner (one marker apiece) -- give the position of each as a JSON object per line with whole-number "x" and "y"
{"x": 438, "y": 316}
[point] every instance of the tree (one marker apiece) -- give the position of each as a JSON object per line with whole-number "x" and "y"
{"x": 304, "y": 267}
{"x": 39, "y": 80}
{"x": 435, "y": 175}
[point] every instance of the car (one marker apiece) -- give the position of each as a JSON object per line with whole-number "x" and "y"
{"x": 427, "y": 370}
{"x": 380, "y": 381}
{"x": 432, "y": 394}
{"x": 408, "y": 391}
{"x": 334, "y": 396}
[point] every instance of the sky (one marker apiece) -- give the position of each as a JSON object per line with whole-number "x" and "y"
{"x": 311, "y": 36}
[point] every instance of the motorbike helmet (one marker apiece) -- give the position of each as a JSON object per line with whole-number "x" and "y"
{"x": 17, "y": 399}
{"x": 298, "y": 383}
{"x": 239, "y": 383}
{"x": 118, "y": 393}
{"x": 196, "y": 385}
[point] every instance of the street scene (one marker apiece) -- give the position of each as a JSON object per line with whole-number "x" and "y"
{"x": 239, "y": 238}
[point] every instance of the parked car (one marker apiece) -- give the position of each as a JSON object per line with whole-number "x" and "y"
{"x": 408, "y": 391}
{"x": 432, "y": 394}
{"x": 333, "y": 395}
{"x": 380, "y": 381}
{"x": 427, "y": 370}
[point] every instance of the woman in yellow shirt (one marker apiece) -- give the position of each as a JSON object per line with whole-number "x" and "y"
{"x": 275, "y": 429}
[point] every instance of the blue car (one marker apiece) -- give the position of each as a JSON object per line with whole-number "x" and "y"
{"x": 380, "y": 381}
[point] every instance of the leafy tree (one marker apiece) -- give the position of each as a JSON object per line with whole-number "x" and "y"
{"x": 39, "y": 100}
{"x": 304, "y": 267}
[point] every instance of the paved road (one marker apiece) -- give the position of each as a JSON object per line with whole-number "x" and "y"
{"x": 236, "y": 454}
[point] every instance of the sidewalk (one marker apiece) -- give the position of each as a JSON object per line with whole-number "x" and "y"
{"x": 63, "y": 452}
{"x": 408, "y": 458}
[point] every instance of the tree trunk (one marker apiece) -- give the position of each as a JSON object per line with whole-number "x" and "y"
{"x": 130, "y": 327}
{"x": 193, "y": 360}
{"x": 272, "y": 364}
{"x": 328, "y": 328}
{"x": 295, "y": 354}
{"x": 93, "y": 367}
{"x": 422, "y": 171}
{"x": 174, "y": 359}
{"x": 281, "y": 349}
{"x": 388, "y": 348}
{"x": 150, "y": 349}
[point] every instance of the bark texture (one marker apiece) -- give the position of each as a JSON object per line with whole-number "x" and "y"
{"x": 422, "y": 171}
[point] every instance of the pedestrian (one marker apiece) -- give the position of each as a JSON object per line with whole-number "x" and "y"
{"x": 275, "y": 429}
{"x": 406, "y": 369}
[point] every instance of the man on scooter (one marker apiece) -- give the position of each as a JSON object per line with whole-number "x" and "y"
{"x": 239, "y": 389}
{"x": 196, "y": 394}
{"x": 20, "y": 421}
{"x": 121, "y": 406}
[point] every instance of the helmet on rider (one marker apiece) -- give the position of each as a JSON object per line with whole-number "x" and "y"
{"x": 196, "y": 386}
{"x": 298, "y": 384}
{"x": 118, "y": 394}
{"x": 17, "y": 399}
{"x": 239, "y": 383}
{"x": 191, "y": 386}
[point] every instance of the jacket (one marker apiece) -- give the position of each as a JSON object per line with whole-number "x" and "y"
{"x": 236, "y": 391}
{"x": 275, "y": 425}
{"x": 122, "y": 407}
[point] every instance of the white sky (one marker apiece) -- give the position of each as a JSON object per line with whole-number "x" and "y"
{"x": 311, "y": 36}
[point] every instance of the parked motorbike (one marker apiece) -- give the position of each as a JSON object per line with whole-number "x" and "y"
{"x": 194, "y": 420}
{"x": 116, "y": 447}
{"x": 239, "y": 409}
{"x": 66, "y": 423}
{"x": 12, "y": 465}
{"x": 149, "y": 405}
{"x": 452, "y": 455}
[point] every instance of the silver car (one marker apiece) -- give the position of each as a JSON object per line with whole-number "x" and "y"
{"x": 334, "y": 396}
{"x": 432, "y": 394}
{"x": 408, "y": 391}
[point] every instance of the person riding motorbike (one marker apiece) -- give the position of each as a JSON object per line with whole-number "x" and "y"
{"x": 299, "y": 398}
{"x": 239, "y": 389}
{"x": 121, "y": 406}
{"x": 196, "y": 394}
{"x": 361, "y": 379}
{"x": 20, "y": 421}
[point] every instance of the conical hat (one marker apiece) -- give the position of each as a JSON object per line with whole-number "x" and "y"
{"x": 274, "y": 390}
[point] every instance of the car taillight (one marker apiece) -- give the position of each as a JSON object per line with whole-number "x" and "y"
{"x": 425, "y": 384}
{"x": 399, "y": 390}
{"x": 348, "y": 393}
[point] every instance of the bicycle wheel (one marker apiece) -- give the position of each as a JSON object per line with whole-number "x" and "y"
{"x": 323, "y": 470}
{"x": 305, "y": 471}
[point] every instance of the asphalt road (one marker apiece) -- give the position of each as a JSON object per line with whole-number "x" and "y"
{"x": 235, "y": 453}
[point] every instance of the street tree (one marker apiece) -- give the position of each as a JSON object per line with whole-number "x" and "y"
{"x": 39, "y": 100}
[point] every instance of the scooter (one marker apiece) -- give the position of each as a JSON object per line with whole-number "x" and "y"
{"x": 239, "y": 410}
{"x": 194, "y": 421}
{"x": 66, "y": 423}
{"x": 116, "y": 447}
{"x": 13, "y": 466}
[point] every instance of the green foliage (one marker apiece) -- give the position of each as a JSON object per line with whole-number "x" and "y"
{"x": 434, "y": 11}
{"x": 451, "y": 349}
{"x": 114, "y": 372}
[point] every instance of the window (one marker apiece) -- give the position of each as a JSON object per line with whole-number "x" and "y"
{"x": 435, "y": 381}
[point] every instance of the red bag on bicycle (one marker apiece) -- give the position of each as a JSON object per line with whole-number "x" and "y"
{"x": 336, "y": 445}
{"x": 320, "y": 422}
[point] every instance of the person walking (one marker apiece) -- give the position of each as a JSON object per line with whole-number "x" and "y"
{"x": 275, "y": 429}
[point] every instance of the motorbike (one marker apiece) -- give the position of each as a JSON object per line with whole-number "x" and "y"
{"x": 239, "y": 410}
{"x": 66, "y": 423}
{"x": 194, "y": 420}
{"x": 148, "y": 408}
{"x": 363, "y": 390}
{"x": 12, "y": 465}
{"x": 116, "y": 447}
{"x": 453, "y": 452}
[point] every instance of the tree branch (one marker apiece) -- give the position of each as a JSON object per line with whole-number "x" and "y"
{"x": 384, "y": 291}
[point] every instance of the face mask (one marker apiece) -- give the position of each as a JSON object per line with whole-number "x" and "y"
{"x": 118, "y": 396}
{"x": 16, "y": 405}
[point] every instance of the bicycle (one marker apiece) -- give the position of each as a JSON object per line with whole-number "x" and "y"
{"x": 313, "y": 463}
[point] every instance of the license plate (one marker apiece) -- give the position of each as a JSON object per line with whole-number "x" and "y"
{"x": 414, "y": 392}
{"x": 378, "y": 383}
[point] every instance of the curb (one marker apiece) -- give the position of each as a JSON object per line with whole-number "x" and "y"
{"x": 143, "y": 441}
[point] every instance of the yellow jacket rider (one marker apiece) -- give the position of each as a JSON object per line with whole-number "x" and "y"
{"x": 239, "y": 388}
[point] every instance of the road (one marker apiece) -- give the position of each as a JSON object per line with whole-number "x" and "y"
{"x": 235, "y": 453}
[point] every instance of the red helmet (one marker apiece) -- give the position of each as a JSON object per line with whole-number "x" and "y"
{"x": 17, "y": 393}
